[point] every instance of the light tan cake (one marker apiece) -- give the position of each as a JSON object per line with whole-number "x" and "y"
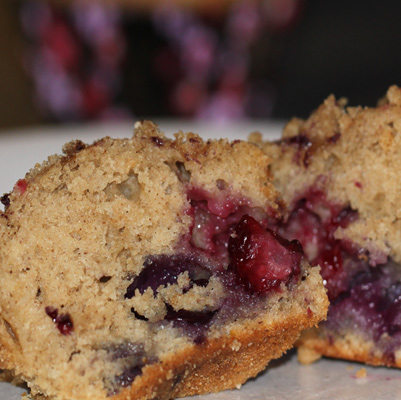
{"x": 143, "y": 269}
{"x": 340, "y": 172}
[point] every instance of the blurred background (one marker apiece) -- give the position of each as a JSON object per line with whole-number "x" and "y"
{"x": 216, "y": 60}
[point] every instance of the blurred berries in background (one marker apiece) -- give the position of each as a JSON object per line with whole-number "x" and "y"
{"x": 215, "y": 60}
{"x": 91, "y": 61}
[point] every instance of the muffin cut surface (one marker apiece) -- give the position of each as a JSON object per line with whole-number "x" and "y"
{"x": 143, "y": 268}
{"x": 340, "y": 173}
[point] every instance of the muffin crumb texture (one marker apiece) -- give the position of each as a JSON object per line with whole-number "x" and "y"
{"x": 339, "y": 172}
{"x": 126, "y": 272}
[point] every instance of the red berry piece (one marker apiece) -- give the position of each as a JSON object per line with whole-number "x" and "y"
{"x": 314, "y": 221}
{"x": 20, "y": 187}
{"x": 63, "y": 321}
{"x": 262, "y": 259}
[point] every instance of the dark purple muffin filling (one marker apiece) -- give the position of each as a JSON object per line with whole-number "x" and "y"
{"x": 63, "y": 321}
{"x": 313, "y": 221}
{"x": 364, "y": 289}
{"x": 229, "y": 240}
{"x": 371, "y": 306}
{"x": 133, "y": 357}
{"x": 163, "y": 270}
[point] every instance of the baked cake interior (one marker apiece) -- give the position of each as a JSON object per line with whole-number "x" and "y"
{"x": 217, "y": 259}
{"x": 364, "y": 288}
{"x": 151, "y": 270}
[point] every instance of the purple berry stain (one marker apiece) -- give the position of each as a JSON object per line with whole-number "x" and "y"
{"x": 364, "y": 289}
{"x": 63, "y": 321}
{"x": 164, "y": 269}
{"x": 133, "y": 357}
{"x": 229, "y": 239}
{"x": 261, "y": 259}
{"x": 158, "y": 141}
{"x": 314, "y": 221}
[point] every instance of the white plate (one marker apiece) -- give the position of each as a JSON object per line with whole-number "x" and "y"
{"x": 283, "y": 379}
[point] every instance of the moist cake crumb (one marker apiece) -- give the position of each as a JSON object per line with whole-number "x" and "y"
{"x": 123, "y": 277}
{"x": 339, "y": 173}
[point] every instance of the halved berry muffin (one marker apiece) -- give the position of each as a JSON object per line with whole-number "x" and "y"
{"x": 339, "y": 171}
{"x": 143, "y": 268}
